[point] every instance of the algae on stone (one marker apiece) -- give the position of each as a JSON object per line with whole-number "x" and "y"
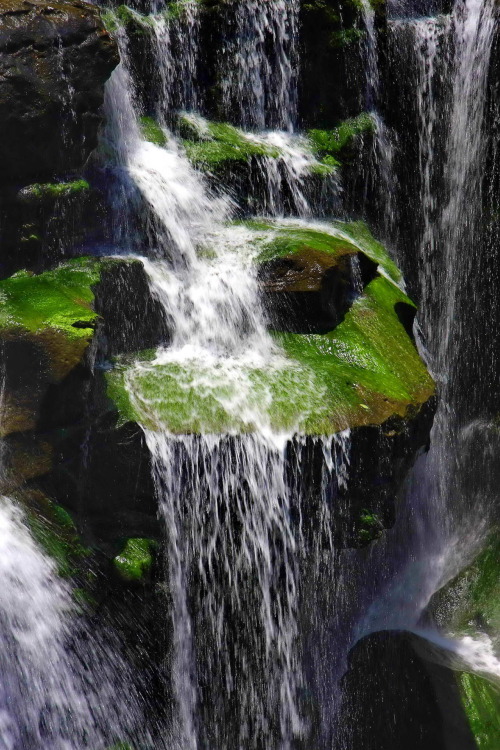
{"x": 279, "y": 239}
{"x": 54, "y": 530}
{"x": 471, "y": 601}
{"x": 54, "y": 299}
{"x": 134, "y": 562}
{"x": 152, "y": 132}
{"x": 481, "y": 700}
{"x": 217, "y": 144}
{"x": 328, "y": 144}
{"x": 363, "y": 372}
{"x": 53, "y": 190}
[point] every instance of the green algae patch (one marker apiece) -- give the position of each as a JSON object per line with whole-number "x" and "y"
{"x": 281, "y": 239}
{"x": 369, "y": 527}
{"x": 55, "y": 532}
{"x": 334, "y": 143}
{"x": 363, "y": 372}
{"x": 471, "y": 601}
{"x": 53, "y": 310}
{"x": 54, "y": 299}
{"x": 53, "y": 190}
{"x": 135, "y": 560}
{"x": 152, "y": 132}
{"x": 368, "y": 365}
{"x": 214, "y": 145}
{"x": 481, "y": 701}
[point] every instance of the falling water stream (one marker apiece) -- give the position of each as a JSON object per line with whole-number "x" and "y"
{"x": 225, "y": 501}
{"x": 237, "y": 562}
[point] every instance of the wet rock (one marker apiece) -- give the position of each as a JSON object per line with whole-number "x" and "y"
{"x": 332, "y": 72}
{"x": 401, "y": 692}
{"x": 311, "y": 291}
{"x": 43, "y": 223}
{"x": 54, "y": 61}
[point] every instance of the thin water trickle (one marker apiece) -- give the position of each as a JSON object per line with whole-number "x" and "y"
{"x": 260, "y": 67}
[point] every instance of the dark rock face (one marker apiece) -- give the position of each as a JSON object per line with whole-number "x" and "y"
{"x": 332, "y": 77}
{"x": 399, "y": 693}
{"x": 54, "y": 61}
{"x": 310, "y": 291}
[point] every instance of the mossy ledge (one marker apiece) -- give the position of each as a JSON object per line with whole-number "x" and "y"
{"x": 363, "y": 372}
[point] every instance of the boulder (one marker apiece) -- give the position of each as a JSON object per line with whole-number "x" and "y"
{"x": 55, "y": 58}
{"x": 400, "y": 691}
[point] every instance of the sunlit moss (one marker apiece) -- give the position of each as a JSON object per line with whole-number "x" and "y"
{"x": 215, "y": 144}
{"x": 54, "y": 299}
{"x": 332, "y": 143}
{"x": 135, "y": 560}
{"x": 363, "y": 372}
{"x": 152, "y": 132}
{"x": 481, "y": 700}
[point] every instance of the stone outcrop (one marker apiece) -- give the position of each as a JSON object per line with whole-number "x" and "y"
{"x": 55, "y": 58}
{"x": 400, "y": 691}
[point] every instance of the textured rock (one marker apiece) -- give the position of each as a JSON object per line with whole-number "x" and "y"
{"x": 54, "y": 61}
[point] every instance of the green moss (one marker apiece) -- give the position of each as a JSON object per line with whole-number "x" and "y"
{"x": 51, "y": 300}
{"x": 53, "y": 190}
{"x": 346, "y": 37}
{"x": 53, "y": 528}
{"x": 481, "y": 700}
{"x": 370, "y": 527}
{"x": 363, "y": 372}
{"x": 279, "y": 239}
{"x": 123, "y": 16}
{"x": 215, "y": 144}
{"x": 333, "y": 142}
{"x": 152, "y": 132}
{"x": 471, "y": 602}
{"x": 135, "y": 560}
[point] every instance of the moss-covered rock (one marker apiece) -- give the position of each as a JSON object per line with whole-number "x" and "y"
{"x": 470, "y": 603}
{"x": 336, "y": 239}
{"x": 481, "y": 700}
{"x": 54, "y": 530}
{"x": 151, "y": 131}
{"x": 336, "y": 143}
{"x": 133, "y": 563}
{"x": 43, "y": 223}
{"x": 363, "y": 372}
{"x": 47, "y": 323}
{"x": 218, "y": 145}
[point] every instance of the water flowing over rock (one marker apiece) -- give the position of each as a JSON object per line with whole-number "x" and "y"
{"x": 249, "y": 487}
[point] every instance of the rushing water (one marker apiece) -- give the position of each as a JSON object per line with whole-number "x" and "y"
{"x": 58, "y": 678}
{"x": 260, "y": 609}
{"x": 227, "y": 502}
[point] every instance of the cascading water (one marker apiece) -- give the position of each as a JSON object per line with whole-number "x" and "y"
{"x": 260, "y": 81}
{"x": 445, "y": 518}
{"x": 262, "y": 606}
{"x": 58, "y": 675}
{"x": 226, "y": 501}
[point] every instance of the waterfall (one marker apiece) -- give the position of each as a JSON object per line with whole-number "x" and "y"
{"x": 260, "y": 69}
{"x": 58, "y": 678}
{"x": 263, "y": 602}
{"x": 444, "y": 518}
